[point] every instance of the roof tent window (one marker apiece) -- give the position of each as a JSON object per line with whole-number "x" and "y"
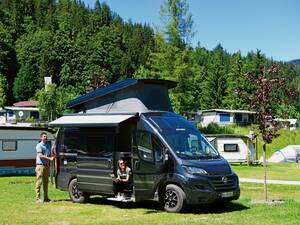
{"x": 231, "y": 148}
{"x": 224, "y": 117}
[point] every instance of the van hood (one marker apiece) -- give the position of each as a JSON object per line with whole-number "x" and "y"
{"x": 212, "y": 167}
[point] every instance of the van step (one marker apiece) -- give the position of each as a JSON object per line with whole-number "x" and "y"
{"x": 126, "y": 199}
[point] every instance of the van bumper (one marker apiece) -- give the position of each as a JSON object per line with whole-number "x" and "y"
{"x": 206, "y": 196}
{"x": 205, "y": 192}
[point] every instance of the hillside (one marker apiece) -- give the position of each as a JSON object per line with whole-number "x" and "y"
{"x": 295, "y": 62}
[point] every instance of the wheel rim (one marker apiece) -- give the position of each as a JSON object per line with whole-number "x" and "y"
{"x": 75, "y": 192}
{"x": 171, "y": 199}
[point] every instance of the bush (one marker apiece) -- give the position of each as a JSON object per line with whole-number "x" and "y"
{"x": 214, "y": 128}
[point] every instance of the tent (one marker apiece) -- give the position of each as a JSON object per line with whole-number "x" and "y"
{"x": 290, "y": 153}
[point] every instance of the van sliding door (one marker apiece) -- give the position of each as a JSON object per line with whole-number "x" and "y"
{"x": 94, "y": 164}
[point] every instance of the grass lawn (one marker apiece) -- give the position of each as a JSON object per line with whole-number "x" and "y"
{"x": 18, "y": 207}
{"x": 275, "y": 171}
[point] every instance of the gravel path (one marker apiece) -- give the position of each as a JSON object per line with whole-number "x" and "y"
{"x": 261, "y": 181}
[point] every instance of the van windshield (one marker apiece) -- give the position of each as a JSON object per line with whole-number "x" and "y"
{"x": 184, "y": 138}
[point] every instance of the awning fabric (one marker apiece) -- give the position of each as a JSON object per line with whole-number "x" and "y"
{"x": 89, "y": 120}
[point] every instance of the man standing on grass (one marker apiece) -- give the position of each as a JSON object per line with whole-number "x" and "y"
{"x": 43, "y": 158}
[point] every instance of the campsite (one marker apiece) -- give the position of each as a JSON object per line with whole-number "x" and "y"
{"x": 149, "y": 112}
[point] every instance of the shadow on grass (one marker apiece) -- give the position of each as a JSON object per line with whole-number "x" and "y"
{"x": 156, "y": 207}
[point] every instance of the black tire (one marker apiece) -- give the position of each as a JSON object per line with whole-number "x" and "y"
{"x": 76, "y": 195}
{"x": 174, "y": 198}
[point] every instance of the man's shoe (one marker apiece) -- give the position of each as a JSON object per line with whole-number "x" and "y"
{"x": 38, "y": 200}
{"x": 47, "y": 200}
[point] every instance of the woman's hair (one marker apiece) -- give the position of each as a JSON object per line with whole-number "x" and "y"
{"x": 121, "y": 161}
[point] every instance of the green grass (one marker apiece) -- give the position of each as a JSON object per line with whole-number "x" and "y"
{"x": 275, "y": 171}
{"x": 18, "y": 207}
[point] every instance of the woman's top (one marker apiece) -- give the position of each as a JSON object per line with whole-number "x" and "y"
{"x": 123, "y": 174}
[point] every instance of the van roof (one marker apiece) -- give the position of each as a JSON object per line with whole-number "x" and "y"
{"x": 124, "y": 84}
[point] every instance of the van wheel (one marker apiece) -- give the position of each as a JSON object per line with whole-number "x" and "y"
{"x": 174, "y": 198}
{"x": 76, "y": 195}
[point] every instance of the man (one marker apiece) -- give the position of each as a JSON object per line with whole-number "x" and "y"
{"x": 43, "y": 158}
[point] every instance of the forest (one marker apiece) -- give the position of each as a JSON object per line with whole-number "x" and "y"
{"x": 83, "y": 48}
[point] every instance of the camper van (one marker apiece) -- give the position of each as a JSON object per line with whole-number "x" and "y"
{"x": 171, "y": 161}
{"x": 234, "y": 148}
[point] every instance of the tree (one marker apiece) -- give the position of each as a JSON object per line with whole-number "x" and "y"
{"x": 177, "y": 22}
{"x": 25, "y": 83}
{"x": 265, "y": 98}
{"x": 235, "y": 80}
{"x": 3, "y": 90}
{"x": 214, "y": 84}
{"x": 52, "y": 101}
{"x": 97, "y": 80}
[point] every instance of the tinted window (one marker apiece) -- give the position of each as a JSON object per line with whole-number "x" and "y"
{"x": 99, "y": 143}
{"x": 88, "y": 141}
{"x": 185, "y": 140}
{"x": 71, "y": 141}
{"x": 149, "y": 148}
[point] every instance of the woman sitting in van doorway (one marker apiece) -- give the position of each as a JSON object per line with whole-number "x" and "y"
{"x": 122, "y": 181}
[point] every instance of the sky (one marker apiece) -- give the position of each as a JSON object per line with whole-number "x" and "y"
{"x": 272, "y": 26}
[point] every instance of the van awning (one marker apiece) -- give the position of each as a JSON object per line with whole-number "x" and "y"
{"x": 84, "y": 120}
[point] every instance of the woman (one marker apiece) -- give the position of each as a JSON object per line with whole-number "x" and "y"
{"x": 123, "y": 179}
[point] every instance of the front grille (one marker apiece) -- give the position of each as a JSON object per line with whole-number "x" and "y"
{"x": 223, "y": 183}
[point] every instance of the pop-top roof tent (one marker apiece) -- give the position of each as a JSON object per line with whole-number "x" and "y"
{"x": 130, "y": 95}
{"x": 110, "y": 105}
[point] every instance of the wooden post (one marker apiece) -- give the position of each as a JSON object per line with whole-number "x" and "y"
{"x": 265, "y": 173}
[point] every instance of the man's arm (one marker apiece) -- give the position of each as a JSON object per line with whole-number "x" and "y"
{"x": 45, "y": 157}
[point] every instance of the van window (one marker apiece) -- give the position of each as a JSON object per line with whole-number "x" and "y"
{"x": 184, "y": 138}
{"x": 71, "y": 140}
{"x": 149, "y": 148}
{"x": 101, "y": 144}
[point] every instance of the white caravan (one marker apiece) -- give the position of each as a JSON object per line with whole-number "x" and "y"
{"x": 17, "y": 149}
{"x": 234, "y": 148}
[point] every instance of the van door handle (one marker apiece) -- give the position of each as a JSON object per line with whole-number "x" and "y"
{"x": 136, "y": 164}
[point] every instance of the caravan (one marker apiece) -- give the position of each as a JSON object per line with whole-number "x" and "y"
{"x": 133, "y": 120}
{"x": 17, "y": 153}
{"x": 234, "y": 148}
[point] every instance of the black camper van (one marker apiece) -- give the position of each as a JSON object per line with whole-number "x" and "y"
{"x": 171, "y": 160}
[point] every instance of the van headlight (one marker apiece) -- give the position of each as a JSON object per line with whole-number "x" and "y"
{"x": 194, "y": 170}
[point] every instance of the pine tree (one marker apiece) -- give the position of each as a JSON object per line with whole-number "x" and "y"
{"x": 177, "y": 22}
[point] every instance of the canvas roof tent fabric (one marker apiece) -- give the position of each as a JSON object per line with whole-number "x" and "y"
{"x": 88, "y": 120}
{"x": 130, "y": 95}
